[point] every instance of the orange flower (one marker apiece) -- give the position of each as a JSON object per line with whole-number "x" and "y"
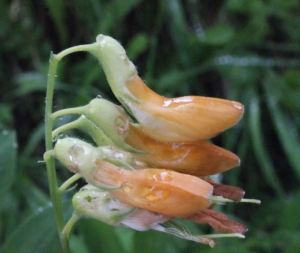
{"x": 199, "y": 158}
{"x": 156, "y": 190}
{"x": 189, "y": 118}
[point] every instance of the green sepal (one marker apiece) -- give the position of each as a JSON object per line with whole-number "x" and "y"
{"x": 100, "y": 138}
{"x": 119, "y": 163}
{"x": 112, "y": 57}
{"x": 92, "y": 202}
{"x": 105, "y": 187}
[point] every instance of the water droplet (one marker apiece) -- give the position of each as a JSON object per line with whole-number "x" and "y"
{"x": 57, "y": 137}
{"x": 167, "y": 103}
{"x": 75, "y": 152}
{"x": 158, "y": 175}
{"x": 5, "y": 132}
{"x": 237, "y": 105}
{"x": 125, "y": 58}
{"x": 99, "y": 96}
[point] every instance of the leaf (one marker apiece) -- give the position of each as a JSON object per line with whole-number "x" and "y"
{"x": 153, "y": 241}
{"x": 8, "y": 158}
{"x": 218, "y": 35}
{"x": 291, "y": 210}
{"x": 115, "y": 11}
{"x": 138, "y": 45}
{"x": 259, "y": 147}
{"x": 286, "y": 129}
{"x": 35, "y": 235}
{"x": 30, "y": 82}
{"x": 57, "y": 11}
{"x": 100, "y": 237}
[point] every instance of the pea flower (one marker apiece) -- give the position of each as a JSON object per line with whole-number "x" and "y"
{"x": 189, "y": 118}
{"x": 92, "y": 202}
{"x": 108, "y": 124}
{"x": 156, "y": 190}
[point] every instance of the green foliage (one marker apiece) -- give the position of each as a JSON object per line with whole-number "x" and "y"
{"x": 237, "y": 49}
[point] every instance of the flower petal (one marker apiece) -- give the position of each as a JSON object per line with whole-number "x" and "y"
{"x": 188, "y": 118}
{"x": 199, "y": 158}
{"x": 162, "y": 191}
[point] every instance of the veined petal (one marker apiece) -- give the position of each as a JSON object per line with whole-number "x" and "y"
{"x": 199, "y": 158}
{"x": 189, "y": 118}
{"x": 156, "y": 190}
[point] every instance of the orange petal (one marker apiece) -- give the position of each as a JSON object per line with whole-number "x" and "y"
{"x": 218, "y": 221}
{"x": 162, "y": 191}
{"x": 195, "y": 158}
{"x": 187, "y": 118}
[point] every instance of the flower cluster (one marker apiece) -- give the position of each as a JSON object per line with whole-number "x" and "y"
{"x": 142, "y": 175}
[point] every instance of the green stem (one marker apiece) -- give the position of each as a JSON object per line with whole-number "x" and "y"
{"x": 75, "y": 110}
{"x": 55, "y": 194}
{"x": 67, "y": 229}
{"x": 67, "y": 183}
{"x": 75, "y": 49}
{"x": 71, "y": 125}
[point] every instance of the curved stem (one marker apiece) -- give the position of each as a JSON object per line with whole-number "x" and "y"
{"x": 67, "y": 229}
{"x": 69, "y": 126}
{"x": 75, "y": 49}
{"x": 67, "y": 183}
{"x": 75, "y": 110}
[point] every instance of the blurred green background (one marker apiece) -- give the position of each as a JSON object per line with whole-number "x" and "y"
{"x": 241, "y": 50}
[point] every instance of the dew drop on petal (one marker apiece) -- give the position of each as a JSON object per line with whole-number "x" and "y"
{"x": 237, "y": 105}
{"x": 167, "y": 103}
{"x": 158, "y": 176}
